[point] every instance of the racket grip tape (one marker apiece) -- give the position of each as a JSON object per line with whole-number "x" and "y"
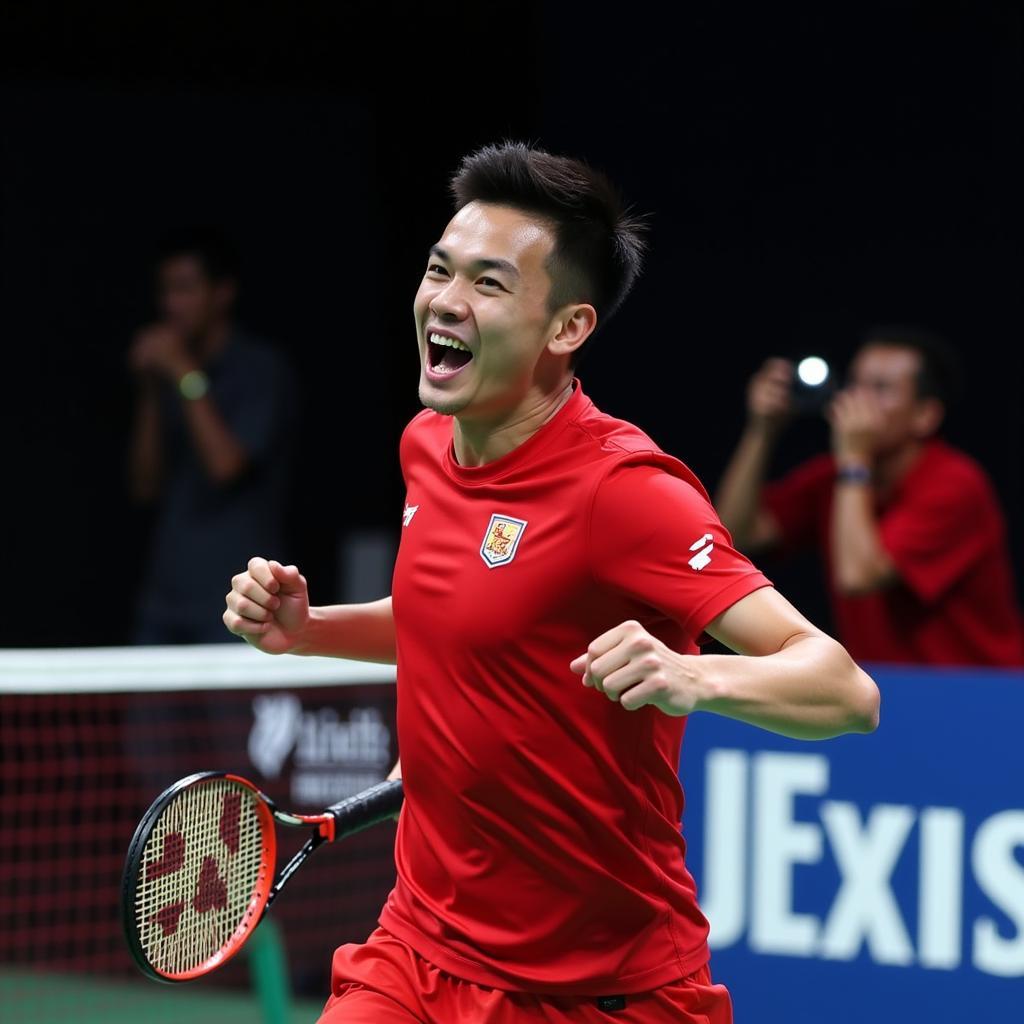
{"x": 367, "y": 808}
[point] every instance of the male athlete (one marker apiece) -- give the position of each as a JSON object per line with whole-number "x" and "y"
{"x": 545, "y": 544}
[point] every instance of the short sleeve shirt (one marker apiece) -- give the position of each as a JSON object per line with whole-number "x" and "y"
{"x": 942, "y": 527}
{"x": 539, "y": 848}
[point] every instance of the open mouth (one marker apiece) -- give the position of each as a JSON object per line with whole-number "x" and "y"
{"x": 446, "y": 355}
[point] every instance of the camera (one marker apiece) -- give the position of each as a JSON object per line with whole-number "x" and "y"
{"x": 812, "y": 385}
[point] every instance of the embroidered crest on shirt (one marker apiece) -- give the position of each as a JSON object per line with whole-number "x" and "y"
{"x": 501, "y": 540}
{"x": 410, "y": 511}
{"x": 703, "y": 556}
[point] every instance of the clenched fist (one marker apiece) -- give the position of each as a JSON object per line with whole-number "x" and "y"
{"x": 268, "y": 606}
{"x": 629, "y": 665}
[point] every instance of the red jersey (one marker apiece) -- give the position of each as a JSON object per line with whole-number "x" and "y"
{"x": 944, "y": 531}
{"x": 539, "y": 847}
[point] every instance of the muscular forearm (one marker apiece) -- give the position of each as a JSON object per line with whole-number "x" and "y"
{"x": 811, "y": 689}
{"x": 220, "y": 452}
{"x": 739, "y": 494}
{"x": 788, "y": 676}
{"x": 363, "y": 632}
{"x": 144, "y": 457}
{"x": 859, "y": 561}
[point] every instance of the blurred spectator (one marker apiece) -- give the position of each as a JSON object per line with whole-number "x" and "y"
{"x": 210, "y": 441}
{"x": 910, "y": 529}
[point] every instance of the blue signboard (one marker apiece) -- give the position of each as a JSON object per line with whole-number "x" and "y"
{"x": 868, "y": 878}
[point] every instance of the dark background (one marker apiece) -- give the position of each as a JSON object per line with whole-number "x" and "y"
{"x": 806, "y": 176}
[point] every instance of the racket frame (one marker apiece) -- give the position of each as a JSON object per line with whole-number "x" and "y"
{"x": 263, "y": 892}
{"x": 326, "y": 830}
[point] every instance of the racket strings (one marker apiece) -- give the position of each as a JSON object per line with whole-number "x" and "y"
{"x": 203, "y": 860}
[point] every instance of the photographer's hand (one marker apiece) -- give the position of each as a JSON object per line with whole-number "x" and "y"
{"x": 738, "y": 500}
{"x": 860, "y": 562}
{"x": 857, "y": 421}
{"x": 770, "y": 396}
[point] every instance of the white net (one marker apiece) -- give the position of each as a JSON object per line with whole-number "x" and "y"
{"x": 90, "y": 736}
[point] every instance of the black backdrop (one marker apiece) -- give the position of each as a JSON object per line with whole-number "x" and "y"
{"x": 806, "y": 176}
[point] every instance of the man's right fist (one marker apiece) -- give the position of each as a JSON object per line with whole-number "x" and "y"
{"x": 268, "y": 606}
{"x": 770, "y": 393}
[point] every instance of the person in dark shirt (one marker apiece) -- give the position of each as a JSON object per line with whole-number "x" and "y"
{"x": 210, "y": 441}
{"x": 910, "y": 528}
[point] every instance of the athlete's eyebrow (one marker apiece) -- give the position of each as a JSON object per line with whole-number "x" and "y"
{"x": 480, "y": 264}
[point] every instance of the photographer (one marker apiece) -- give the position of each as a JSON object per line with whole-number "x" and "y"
{"x": 909, "y": 528}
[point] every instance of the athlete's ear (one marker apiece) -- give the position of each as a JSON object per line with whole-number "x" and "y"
{"x": 573, "y": 325}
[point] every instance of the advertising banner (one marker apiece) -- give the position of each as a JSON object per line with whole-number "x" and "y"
{"x": 867, "y": 878}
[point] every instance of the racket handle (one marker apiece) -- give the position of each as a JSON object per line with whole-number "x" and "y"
{"x": 367, "y": 808}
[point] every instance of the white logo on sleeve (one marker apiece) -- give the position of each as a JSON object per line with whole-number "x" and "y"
{"x": 410, "y": 511}
{"x": 703, "y": 556}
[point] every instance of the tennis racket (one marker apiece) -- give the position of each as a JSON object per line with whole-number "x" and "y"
{"x": 200, "y": 869}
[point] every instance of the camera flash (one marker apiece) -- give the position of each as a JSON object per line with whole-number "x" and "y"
{"x": 812, "y": 371}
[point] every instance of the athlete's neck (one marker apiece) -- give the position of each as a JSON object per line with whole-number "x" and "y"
{"x": 478, "y": 443}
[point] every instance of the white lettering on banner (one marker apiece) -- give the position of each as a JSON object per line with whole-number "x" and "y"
{"x": 332, "y": 758}
{"x": 867, "y": 846}
{"x": 323, "y": 739}
{"x": 780, "y": 842}
{"x": 865, "y": 907}
{"x": 941, "y": 890}
{"x": 1001, "y": 878}
{"x": 725, "y": 789}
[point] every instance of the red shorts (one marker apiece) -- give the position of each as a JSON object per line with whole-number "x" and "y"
{"x": 384, "y": 981}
